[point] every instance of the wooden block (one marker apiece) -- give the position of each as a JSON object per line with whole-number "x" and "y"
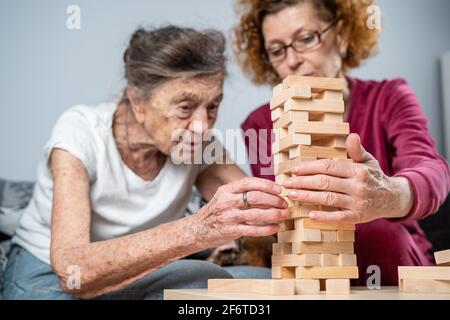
{"x": 315, "y": 106}
{"x": 322, "y": 128}
{"x": 230, "y": 285}
{"x": 305, "y": 235}
{"x": 431, "y": 273}
{"x": 281, "y": 248}
{"x": 283, "y": 287}
{"x": 256, "y": 286}
{"x": 329, "y": 235}
{"x": 424, "y": 286}
{"x": 299, "y": 92}
{"x": 331, "y": 95}
{"x": 323, "y": 247}
{"x": 296, "y": 260}
{"x": 345, "y": 260}
{"x": 337, "y": 286}
{"x": 311, "y": 224}
{"x": 290, "y": 141}
{"x": 280, "y": 179}
{"x": 279, "y": 89}
{"x": 287, "y": 225}
{"x": 331, "y": 142}
{"x": 317, "y": 152}
{"x": 329, "y": 260}
{"x": 287, "y": 166}
{"x": 283, "y": 272}
{"x": 345, "y": 236}
{"x": 277, "y": 113}
{"x": 291, "y": 117}
{"x": 326, "y": 272}
{"x": 281, "y": 157}
{"x": 307, "y": 286}
{"x": 301, "y": 211}
{"x": 442, "y": 258}
{"x": 331, "y": 118}
{"x": 316, "y": 84}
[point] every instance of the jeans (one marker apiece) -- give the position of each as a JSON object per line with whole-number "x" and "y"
{"x": 28, "y": 278}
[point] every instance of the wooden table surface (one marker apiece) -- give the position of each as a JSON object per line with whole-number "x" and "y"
{"x": 357, "y": 293}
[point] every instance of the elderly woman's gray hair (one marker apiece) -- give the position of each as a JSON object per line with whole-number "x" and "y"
{"x": 158, "y": 55}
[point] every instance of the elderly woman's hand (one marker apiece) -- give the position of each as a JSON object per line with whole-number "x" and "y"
{"x": 360, "y": 189}
{"x": 226, "y": 217}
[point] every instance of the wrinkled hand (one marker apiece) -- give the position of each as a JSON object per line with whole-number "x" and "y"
{"x": 360, "y": 189}
{"x": 225, "y": 217}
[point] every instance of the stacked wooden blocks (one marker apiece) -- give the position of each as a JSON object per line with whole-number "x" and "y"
{"x": 427, "y": 279}
{"x": 308, "y": 122}
{"x": 310, "y": 256}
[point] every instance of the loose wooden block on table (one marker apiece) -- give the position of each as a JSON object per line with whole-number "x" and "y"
{"x": 348, "y": 272}
{"x": 230, "y": 285}
{"x": 255, "y": 286}
{"x": 323, "y": 247}
{"x": 303, "y": 92}
{"x": 424, "y": 286}
{"x": 317, "y": 84}
{"x": 307, "y": 286}
{"x": 296, "y": 260}
{"x": 280, "y": 287}
{"x": 442, "y": 258}
{"x": 337, "y": 286}
{"x": 431, "y": 273}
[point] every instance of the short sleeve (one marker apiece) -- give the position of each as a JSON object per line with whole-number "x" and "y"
{"x": 74, "y": 134}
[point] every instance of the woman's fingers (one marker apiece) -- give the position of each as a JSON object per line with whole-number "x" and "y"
{"x": 337, "y": 168}
{"x": 345, "y": 216}
{"x": 329, "y": 199}
{"x": 320, "y": 182}
{"x": 261, "y": 215}
{"x": 253, "y": 184}
{"x": 257, "y": 199}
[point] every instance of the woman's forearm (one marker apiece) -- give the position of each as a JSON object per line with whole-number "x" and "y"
{"x": 111, "y": 265}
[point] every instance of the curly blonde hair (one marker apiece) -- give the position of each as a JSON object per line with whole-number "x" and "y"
{"x": 249, "y": 40}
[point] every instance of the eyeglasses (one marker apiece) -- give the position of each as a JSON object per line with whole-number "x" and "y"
{"x": 303, "y": 43}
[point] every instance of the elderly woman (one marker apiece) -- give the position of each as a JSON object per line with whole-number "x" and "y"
{"x": 107, "y": 214}
{"x": 398, "y": 177}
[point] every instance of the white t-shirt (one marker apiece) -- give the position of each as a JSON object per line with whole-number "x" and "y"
{"x": 121, "y": 201}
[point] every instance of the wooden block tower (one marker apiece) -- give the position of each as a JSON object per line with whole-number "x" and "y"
{"x": 308, "y": 122}
{"x": 310, "y": 256}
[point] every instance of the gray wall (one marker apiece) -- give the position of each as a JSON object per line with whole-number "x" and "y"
{"x": 46, "y": 68}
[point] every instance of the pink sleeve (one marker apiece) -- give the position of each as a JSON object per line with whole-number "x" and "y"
{"x": 414, "y": 153}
